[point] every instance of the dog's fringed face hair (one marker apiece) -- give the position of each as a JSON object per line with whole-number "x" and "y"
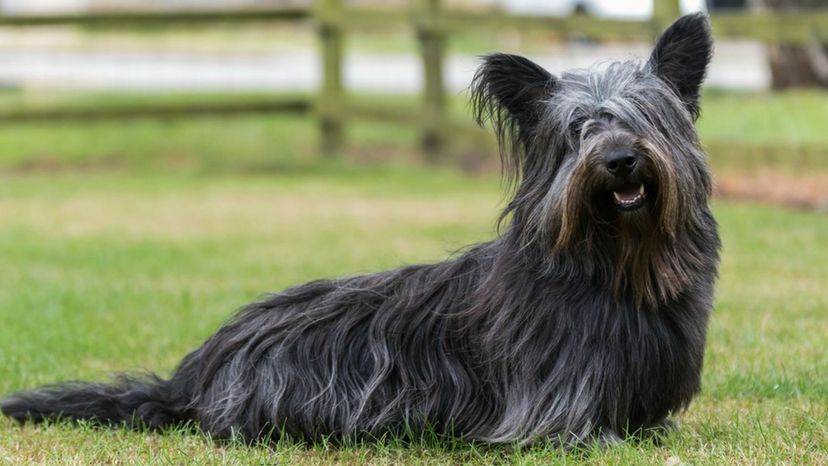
{"x": 605, "y": 158}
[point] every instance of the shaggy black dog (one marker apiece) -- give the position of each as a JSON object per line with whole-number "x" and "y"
{"x": 584, "y": 319}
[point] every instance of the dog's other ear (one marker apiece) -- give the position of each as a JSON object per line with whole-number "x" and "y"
{"x": 681, "y": 56}
{"x": 509, "y": 91}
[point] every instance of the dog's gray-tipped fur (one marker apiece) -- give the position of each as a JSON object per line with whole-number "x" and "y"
{"x": 585, "y": 318}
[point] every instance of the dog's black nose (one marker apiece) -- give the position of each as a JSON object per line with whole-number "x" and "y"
{"x": 621, "y": 162}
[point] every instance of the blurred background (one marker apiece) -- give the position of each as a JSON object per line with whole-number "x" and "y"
{"x": 164, "y": 161}
{"x": 266, "y": 84}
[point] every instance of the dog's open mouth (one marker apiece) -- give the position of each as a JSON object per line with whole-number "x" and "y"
{"x": 630, "y": 196}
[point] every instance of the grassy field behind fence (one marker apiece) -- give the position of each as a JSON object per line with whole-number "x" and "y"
{"x": 741, "y": 131}
{"x": 124, "y": 245}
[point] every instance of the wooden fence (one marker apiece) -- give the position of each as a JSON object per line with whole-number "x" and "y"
{"x": 432, "y": 24}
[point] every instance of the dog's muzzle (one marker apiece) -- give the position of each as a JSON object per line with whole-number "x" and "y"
{"x": 624, "y": 165}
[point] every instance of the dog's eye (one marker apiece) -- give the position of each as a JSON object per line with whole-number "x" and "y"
{"x": 576, "y": 126}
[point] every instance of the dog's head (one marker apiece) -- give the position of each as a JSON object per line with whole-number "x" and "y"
{"x": 604, "y": 154}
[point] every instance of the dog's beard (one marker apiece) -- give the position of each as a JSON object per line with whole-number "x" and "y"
{"x": 582, "y": 215}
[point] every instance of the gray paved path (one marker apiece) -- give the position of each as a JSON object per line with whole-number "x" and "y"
{"x": 736, "y": 65}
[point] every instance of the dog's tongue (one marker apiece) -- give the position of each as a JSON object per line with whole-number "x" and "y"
{"x": 628, "y": 192}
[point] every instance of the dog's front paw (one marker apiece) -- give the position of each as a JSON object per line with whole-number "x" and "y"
{"x": 607, "y": 438}
{"x": 658, "y": 430}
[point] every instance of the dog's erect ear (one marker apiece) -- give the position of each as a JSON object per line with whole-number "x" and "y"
{"x": 509, "y": 91}
{"x": 681, "y": 56}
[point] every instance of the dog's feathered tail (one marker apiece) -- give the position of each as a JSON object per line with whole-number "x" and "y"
{"x": 139, "y": 402}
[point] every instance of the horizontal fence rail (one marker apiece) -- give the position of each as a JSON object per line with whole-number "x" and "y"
{"x": 333, "y": 20}
{"x": 144, "y": 17}
{"x": 296, "y": 105}
{"x": 795, "y": 27}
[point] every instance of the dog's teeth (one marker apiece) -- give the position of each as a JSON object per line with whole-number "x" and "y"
{"x": 641, "y": 190}
{"x": 617, "y": 197}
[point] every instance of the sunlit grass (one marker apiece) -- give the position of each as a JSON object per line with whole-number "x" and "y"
{"x": 114, "y": 271}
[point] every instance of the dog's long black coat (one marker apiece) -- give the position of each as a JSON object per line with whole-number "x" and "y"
{"x": 579, "y": 320}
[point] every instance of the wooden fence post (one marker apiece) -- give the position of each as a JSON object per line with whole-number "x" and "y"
{"x": 330, "y": 101}
{"x": 432, "y": 45}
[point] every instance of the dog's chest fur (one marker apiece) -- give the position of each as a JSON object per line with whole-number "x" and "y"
{"x": 601, "y": 361}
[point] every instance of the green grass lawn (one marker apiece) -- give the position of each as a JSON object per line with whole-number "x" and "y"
{"x": 110, "y": 271}
{"x": 125, "y": 244}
